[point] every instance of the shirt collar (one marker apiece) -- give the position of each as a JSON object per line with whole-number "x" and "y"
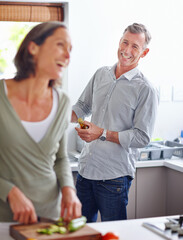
{"x": 128, "y": 75}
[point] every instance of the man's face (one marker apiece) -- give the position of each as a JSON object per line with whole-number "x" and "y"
{"x": 131, "y": 49}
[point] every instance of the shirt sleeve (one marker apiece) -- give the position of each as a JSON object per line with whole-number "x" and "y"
{"x": 62, "y": 165}
{"x": 143, "y": 122}
{"x": 83, "y": 107}
{"x": 5, "y": 187}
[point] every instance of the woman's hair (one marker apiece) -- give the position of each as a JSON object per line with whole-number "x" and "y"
{"x": 139, "y": 28}
{"x": 23, "y": 60}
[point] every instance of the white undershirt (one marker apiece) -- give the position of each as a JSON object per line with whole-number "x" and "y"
{"x": 37, "y": 130}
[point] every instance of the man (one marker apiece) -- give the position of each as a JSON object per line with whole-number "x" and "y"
{"x": 123, "y": 106}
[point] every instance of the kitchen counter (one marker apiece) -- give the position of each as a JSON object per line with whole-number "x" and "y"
{"x": 127, "y": 230}
{"x": 174, "y": 163}
{"x": 131, "y": 229}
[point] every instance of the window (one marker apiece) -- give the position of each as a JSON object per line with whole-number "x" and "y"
{"x": 12, "y": 33}
{"x": 16, "y": 19}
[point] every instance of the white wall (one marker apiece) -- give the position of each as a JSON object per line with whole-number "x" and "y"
{"x": 96, "y": 27}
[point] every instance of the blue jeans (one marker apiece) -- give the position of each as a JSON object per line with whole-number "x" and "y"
{"x": 109, "y": 197}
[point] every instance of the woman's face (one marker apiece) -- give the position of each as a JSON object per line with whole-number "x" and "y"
{"x": 53, "y": 55}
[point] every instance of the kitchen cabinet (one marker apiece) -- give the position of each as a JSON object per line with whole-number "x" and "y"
{"x": 151, "y": 192}
{"x": 147, "y": 194}
{"x": 174, "y": 189}
{"x": 156, "y": 191}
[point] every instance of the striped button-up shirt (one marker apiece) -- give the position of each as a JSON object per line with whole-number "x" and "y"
{"x": 127, "y": 105}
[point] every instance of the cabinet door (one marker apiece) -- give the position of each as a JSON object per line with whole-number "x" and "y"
{"x": 150, "y": 192}
{"x": 174, "y": 196}
{"x": 131, "y": 200}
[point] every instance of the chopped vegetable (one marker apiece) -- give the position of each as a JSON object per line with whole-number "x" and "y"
{"x": 47, "y": 231}
{"x": 76, "y": 224}
{"x": 110, "y": 236}
{"x": 61, "y": 227}
{"x": 62, "y": 230}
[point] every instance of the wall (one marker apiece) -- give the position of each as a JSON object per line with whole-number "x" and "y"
{"x": 96, "y": 27}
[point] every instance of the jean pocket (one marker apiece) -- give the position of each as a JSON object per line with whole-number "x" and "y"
{"x": 115, "y": 185}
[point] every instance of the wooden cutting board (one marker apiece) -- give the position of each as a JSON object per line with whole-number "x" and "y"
{"x": 24, "y": 232}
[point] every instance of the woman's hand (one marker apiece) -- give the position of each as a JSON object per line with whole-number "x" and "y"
{"x": 21, "y": 207}
{"x": 70, "y": 205}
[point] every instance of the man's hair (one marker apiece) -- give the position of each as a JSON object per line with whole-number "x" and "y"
{"x": 139, "y": 28}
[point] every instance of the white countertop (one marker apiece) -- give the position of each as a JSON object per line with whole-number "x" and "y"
{"x": 130, "y": 229}
{"x": 126, "y": 229}
{"x": 174, "y": 163}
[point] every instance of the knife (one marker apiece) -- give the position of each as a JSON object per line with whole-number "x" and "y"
{"x": 156, "y": 230}
{"x": 43, "y": 219}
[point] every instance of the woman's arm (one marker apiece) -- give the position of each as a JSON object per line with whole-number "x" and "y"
{"x": 70, "y": 204}
{"x": 22, "y": 208}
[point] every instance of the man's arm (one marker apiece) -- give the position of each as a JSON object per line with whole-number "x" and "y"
{"x": 143, "y": 120}
{"x": 94, "y": 132}
{"x": 74, "y": 117}
{"x": 112, "y": 136}
{"x": 139, "y": 135}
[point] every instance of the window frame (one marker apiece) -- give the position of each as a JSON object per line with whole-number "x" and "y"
{"x": 56, "y": 9}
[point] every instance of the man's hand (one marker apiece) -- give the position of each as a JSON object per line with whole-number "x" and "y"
{"x": 70, "y": 205}
{"x": 21, "y": 207}
{"x": 90, "y": 134}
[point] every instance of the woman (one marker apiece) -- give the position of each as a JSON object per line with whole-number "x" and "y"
{"x": 34, "y": 170}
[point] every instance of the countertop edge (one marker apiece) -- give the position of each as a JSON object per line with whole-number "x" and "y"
{"x": 174, "y": 163}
